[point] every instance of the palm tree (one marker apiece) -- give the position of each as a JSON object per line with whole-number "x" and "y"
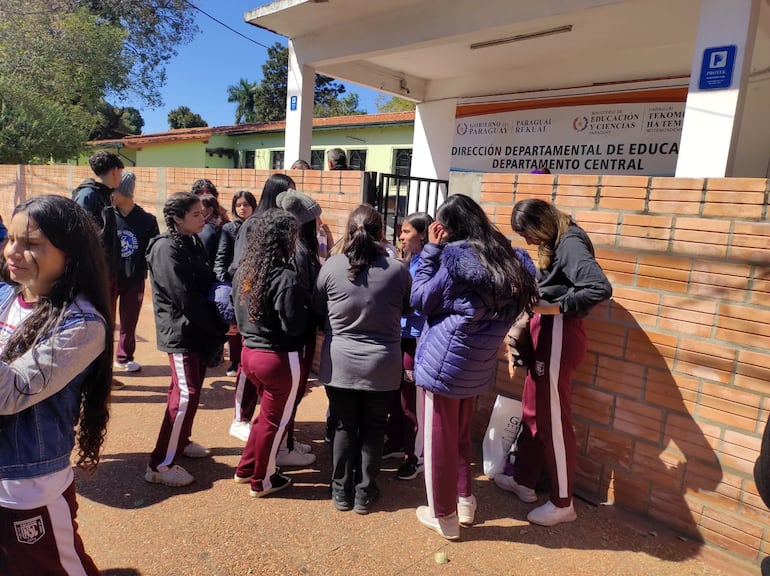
{"x": 244, "y": 95}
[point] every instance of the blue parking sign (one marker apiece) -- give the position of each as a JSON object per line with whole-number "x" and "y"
{"x": 716, "y": 71}
{"x": 293, "y": 103}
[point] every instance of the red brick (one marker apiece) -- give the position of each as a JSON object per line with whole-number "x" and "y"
{"x": 609, "y": 446}
{"x": 622, "y": 204}
{"x": 738, "y": 184}
{"x": 678, "y": 183}
{"x": 591, "y": 404}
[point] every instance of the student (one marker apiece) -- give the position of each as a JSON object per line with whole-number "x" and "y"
{"x": 55, "y": 375}
{"x": 135, "y": 230}
{"x": 470, "y": 286}
{"x": 243, "y": 206}
{"x": 570, "y": 283}
{"x": 413, "y": 236}
{"x": 271, "y": 307}
{"x": 95, "y": 196}
{"x": 307, "y": 265}
{"x": 187, "y": 327}
{"x": 362, "y": 294}
{"x": 246, "y": 394}
{"x": 205, "y": 186}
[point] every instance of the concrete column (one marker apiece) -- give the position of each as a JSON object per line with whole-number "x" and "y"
{"x": 299, "y": 110}
{"x": 712, "y": 119}
{"x": 434, "y": 125}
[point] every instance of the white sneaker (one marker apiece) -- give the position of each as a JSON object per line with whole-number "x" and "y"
{"x": 302, "y": 447}
{"x": 448, "y": 526}
{"x": 174, "y": 476}
{"x": 294, "y": 458}
{"x": 466, "y": 509}
{"x": 129, "y": 366}
{"x": 550, "y": 515}
{"x": 195, "y": 450}
{"x": 231, "y": 373}
{"x": 240, "y": 429}
{"x": 509, "y": 484}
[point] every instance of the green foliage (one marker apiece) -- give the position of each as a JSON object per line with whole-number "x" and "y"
{"x": 59, "y": 58}
{"x": 116, "y": 122}
{"x": 269, "y": 96}
{"x": 244, "y": 95}
{"x": 183, "y": 117}
{"x": 393, "y": 104}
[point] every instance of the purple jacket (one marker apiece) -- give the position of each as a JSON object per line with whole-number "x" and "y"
{"x": 465, "y": 321}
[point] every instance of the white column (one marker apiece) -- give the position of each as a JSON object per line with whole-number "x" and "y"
{"x": 434, "y": 125}
{"x": 300, "y": 86}
{"x": 724, "y": 45}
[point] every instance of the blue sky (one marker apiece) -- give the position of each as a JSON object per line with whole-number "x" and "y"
{"x": 198, "y": 77}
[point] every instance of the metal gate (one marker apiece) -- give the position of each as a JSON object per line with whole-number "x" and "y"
{"x": 397, "y": 196}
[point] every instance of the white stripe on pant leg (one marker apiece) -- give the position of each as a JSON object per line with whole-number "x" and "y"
{"x": 64, "y": 534}
{"x": 184, "y": 402}
{"x": 288, "y": 408}
{"x": 557, "y": 429}
{"x": 419, "y": 439}
{"x": 428, "y": 449}
{"x": 240, "y": 385}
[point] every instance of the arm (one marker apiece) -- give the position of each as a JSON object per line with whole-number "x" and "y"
{"x": 429, "y": 281}
{"x": 589, "y": 284}
{"x": 224, "y": 255}
{"x": 50, "y": 365}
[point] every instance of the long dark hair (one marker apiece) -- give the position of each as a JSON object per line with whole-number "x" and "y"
{"x": 306, "y": 254}
{"x": 179, "y": 204}
{"x": 270, "y": 243}
{"x": 464, "y": 219}
{"x": 70, "y": 229}
{"x": 250, "y": 199}
{"x": 543, "y": 223}
{"x": 364, "y": 233}
{"x": 274, "y": 185}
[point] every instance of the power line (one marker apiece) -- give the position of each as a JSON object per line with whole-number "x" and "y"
{"x": 194, "y": 7}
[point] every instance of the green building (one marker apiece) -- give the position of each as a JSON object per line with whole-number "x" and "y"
{"x": 373, "y": 142}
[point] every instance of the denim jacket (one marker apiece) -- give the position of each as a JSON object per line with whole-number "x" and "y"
{"x": 40, "y": 392}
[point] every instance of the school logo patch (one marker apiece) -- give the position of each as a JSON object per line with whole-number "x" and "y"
{"x": 539, "y": 367}
{"x": 29, "y": 531}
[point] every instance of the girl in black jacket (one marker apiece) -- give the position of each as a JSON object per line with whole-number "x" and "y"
{"x": 187, "y": 327}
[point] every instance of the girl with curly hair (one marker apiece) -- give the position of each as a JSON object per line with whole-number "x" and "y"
{"x": 55, "y": 371}
{"x": 187, "y": 327}
{"x": 271, "y": 308}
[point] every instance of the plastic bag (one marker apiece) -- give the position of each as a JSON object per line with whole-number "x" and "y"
{"x": 502, "y": 431}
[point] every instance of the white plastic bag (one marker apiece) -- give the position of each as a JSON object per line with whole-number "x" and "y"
{"x": 503, "y": 428}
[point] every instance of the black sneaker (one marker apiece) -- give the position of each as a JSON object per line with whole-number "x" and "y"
{"x": 341, "y": 501}
{"x": 278, "y": 482}
{"x": 408, "y": 471}
{"x": 364, "y": 503}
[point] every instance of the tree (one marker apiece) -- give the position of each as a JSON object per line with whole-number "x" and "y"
{"x": 243, "y": 94}
{"x": 270, "y": 94}
{"x": 116, "y": 122}
{"x": 393, "y": 104}
{"x": 60, "y": 58}
{"x": 183, "y": 117}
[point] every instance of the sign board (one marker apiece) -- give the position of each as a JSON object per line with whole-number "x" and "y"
{"x": 293, "y": 103}
{"x": 716, "y": 70}
{"x": 637, "y": 138}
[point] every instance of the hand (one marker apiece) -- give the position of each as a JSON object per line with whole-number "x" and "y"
{"x": 436, "y": 233}
{"x": 547, "y": 308}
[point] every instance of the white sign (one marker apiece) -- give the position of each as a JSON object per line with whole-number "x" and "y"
{"x": 601, "y": 139}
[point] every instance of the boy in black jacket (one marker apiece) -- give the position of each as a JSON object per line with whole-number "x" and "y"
{"x": 135, "y": 229}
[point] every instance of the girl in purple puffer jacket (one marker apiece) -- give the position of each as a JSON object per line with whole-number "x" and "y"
{"x": 470, "y": 286}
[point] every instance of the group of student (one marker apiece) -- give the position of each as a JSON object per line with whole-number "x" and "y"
{"x": 425, "y": 329}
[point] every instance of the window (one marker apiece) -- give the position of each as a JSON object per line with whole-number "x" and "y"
{"x": 357, "y": 159}
{"x": 402, "y": 161}
{"x": 248, "y": 158}
{"x": 276, "y": 159}
{"x": 317, "y": 158}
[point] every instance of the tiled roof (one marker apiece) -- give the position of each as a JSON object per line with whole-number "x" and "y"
{"x": 204, "y": 134}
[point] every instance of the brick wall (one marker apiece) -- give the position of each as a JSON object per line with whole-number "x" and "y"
{"x": 672, "y": 398}
{"x": 337, "y": 192}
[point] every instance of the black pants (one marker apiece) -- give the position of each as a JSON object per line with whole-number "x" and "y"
{"x": 360, "y": 418}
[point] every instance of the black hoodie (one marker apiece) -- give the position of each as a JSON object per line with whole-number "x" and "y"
{"x": 94, "y": 197}
{"x": 186, "y": 319}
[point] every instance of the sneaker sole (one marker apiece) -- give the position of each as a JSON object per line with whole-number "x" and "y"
{"x": 271, "y": 490}
{"x": 153, "y": 479}
{"x": 241, "y": 480}
{"x": 411, "y": 476}
{"x": 437, "y": 529}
